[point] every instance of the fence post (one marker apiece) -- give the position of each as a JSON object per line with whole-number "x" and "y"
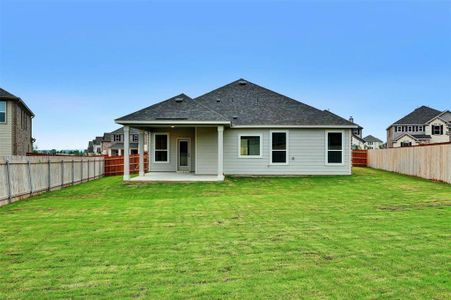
{"x": 49, "y": 178}
{"x": 72, "y": 172}
{"x": 8, "y": 181}
{"x": 81, "y": 169}
{"x": 88, "y": 169}
{"x": 62, "y": 173}
{"x": 30, "y": 179}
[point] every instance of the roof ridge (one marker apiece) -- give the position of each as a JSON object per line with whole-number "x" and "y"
{"x": 275, "y": 93}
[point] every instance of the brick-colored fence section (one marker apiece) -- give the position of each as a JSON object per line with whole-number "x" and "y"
{"x": 426, "y": 161}
{"x": 24, "y": 176}
{"x": 359, "y": 158}
{"x": 114, "y": 165}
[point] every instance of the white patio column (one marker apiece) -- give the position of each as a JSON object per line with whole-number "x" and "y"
{"x": 149, "y": 151}
{"x": 141, "y": 152}
{"x": 126, "y": 153}
{"x": 220, "y": 152}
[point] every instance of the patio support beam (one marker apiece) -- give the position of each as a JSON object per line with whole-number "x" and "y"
{"x": 141, "y": 152}
{"x": 126, "y": 153}
{"x": 149, "y": 151}
{"x": 221, "y": 152}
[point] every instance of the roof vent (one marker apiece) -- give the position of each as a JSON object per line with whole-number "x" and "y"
{"x": 242, "y": 82}
{"x": 218, "y": 100}
{"x": 235, "y": 117}
{"x": 179, "y": 99}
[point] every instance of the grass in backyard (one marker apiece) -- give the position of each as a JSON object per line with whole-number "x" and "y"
{"x": 371, "y": 235}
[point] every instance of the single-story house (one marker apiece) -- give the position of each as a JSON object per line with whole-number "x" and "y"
{"x": 239, "y": 129}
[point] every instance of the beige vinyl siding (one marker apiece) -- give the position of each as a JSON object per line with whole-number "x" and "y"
{"x": 207, "y": 150}
{"x": 174, "y": 134}
{"x": 6, "y": 131}
{"x": 306, "y": 154}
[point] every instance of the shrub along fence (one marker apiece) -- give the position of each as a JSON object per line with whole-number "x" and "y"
{"x": 427, "y": 161}
{"x": 24, "y": 176}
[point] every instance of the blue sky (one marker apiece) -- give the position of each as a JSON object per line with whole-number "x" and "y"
{"x": 79, "y": 64}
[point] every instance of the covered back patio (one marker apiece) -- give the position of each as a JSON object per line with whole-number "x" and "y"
{"x": 178, "y": 152}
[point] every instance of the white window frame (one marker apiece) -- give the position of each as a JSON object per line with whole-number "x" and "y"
{"x": 154, "y": 136}
{"x": 433, "y": 126}
{"x": 271, "y": 150}
{"x": 326, "y": 147}
{"x": 6, "y": 112}
{"x": 252, "y": 135}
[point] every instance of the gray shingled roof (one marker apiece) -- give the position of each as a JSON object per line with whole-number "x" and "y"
{"x": 120, "y": 145}
{"x": 121, "y": 131}
{"x": 4, "y": 94}
{"x": 178, "y": 108}
{"x": 419, "y": 116}
{"x": 245, "y": 103}
{"x": 241, "y": 103}
{"x": 370, "y": 138}
{"x": 421, "y": 136}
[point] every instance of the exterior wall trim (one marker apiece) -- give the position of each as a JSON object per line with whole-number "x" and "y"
{"x": 250, "y": 156}
{"x": 326, "y": 144}
{"x": 169, "y": 147}
{"x": 286, "y": 150}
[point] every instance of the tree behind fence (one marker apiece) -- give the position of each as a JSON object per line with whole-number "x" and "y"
{"x": 23, "y": 176}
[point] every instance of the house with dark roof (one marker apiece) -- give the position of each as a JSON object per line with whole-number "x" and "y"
{"x": 424, "y": 125}
{"x": 372, "y": 142}
{"x": 239, "y": 129}
{"x": 112, "y": 143}
{"x": 15, "y": 125}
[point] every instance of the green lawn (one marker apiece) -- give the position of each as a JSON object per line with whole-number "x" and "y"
{"x": 371, "y": 235}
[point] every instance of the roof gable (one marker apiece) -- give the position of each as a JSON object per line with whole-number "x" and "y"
{"x": 246, "y": 103}
{"x": 370, "y": 138}
{"x": 420, "y": 115}
{"x": 5, "y": 95}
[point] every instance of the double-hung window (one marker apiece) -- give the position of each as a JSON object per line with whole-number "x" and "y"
{"x": 161, "y": 147}
{"x": 250, "y": 146}
{"x": 334, "y": 151}
{"x": 2, "y": 111}
{"x": 437, "y": 129}
{"x": 279, "y": 149}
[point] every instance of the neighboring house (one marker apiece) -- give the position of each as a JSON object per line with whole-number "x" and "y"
{"x": 15, "y": 125}
{"x": 112, "y": 143}
{"x": 117, "y": 142}
{"x": 372, "y": 142}
{"x": 242, "y": 129}
{"x": 424, "y": 125}
{"x": 357, "y": 141}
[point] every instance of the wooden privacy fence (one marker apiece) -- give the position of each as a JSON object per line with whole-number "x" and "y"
{"x": 23, "y": 176}
{"x": 114, "y": 165}
{"x": 428, "y": 161}
{"x": 359, "y": 158}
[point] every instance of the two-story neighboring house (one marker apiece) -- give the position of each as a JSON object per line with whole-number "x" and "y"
{"x": 117, "y": 142}
{"x": 15, "y": 125}
{"x": 112, "y": 143}
{"x": 372, "y": 142}
{"x": 424, "y": 125}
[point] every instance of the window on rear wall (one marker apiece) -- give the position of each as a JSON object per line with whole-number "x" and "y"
{"x": 250, "y": 146}
{"x": 334, "y": 147}
{"x": 161, "y": 144}
{"x": 279, "y": 147}
{"x": 2, "y": 111}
